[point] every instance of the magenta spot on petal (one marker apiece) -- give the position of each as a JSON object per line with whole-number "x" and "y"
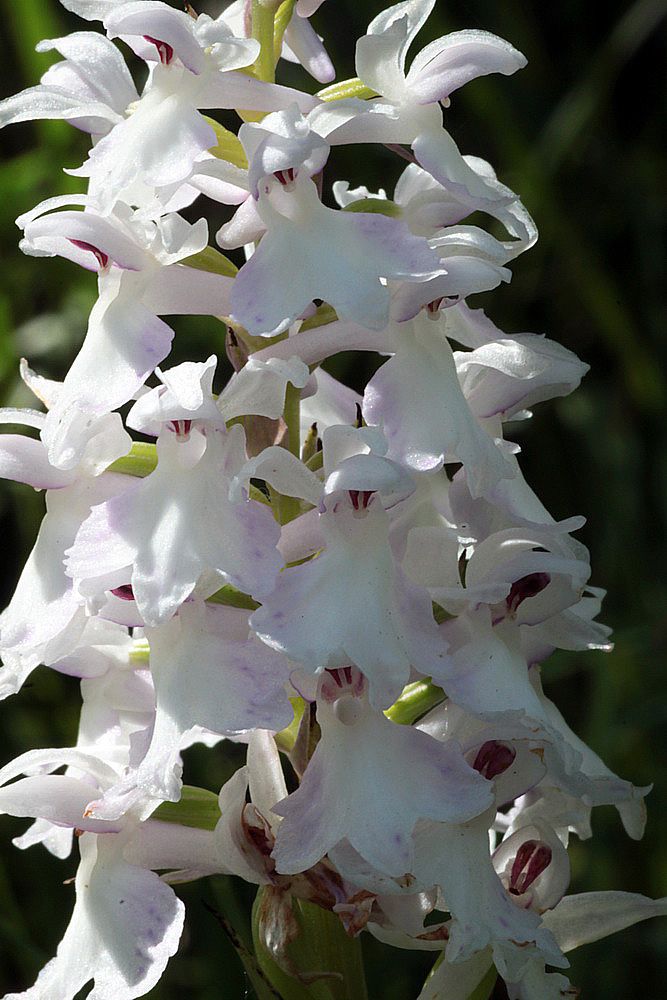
{"x": 532, "y": 858}
{"x": 164, "y": 50}
{"x": 99, "y": 255}
{"x": 527, "y": 586}
{"x": 493, "y": 758}
{"x": 125, "y": 593}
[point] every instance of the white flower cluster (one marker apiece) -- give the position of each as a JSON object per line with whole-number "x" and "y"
{"x": 365, "y": 585}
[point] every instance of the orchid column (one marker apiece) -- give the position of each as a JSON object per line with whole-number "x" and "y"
{"x": 359, "y": 588}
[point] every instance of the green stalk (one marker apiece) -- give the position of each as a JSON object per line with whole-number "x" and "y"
{"x": 289, "y": 507}
{"x": 263, "y": 16}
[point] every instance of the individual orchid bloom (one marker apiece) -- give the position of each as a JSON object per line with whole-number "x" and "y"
{"x": 193, "y": 67}
{"x": 484, "y": 912}
{"x": 126, "y": 922}
{"x": 81, "y": 442}
{"x": 472, "y": 261}
{"x": 353, "y": 603}
{"x": 208, "y": 673}
{"x": 177, "y": 527}
{"x": 525, "y": 576}
{"x": 407, "y": 110}
{"x": 513, "y": 374}
{"x": 140, "y": 274}
{"x": 407, "y": 392}
{"x": 193, "y": 494}
{"x": 117, "y": 706}
{"x": 574, "y": 921}
{"x": 359, "y": 742}
{"x": 91, "y": 88}
{"x": 427, "y": 206}
{"x": 331, "y": 255}
{"x": 46, "y": 617}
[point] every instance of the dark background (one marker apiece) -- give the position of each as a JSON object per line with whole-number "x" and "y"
{"x": 580, "y": 135}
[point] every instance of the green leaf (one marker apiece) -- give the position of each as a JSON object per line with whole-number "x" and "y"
{"x": 233, "y": 598}
{"x": 212, "y": 261}
{"x": 141, "y": 461}
{"x": 354, "y": 87}
{"x": 485, "y": 988}
{"x": 286, "y": 738}
{"x": 197, "y": 807}
{"x": 416, "y": 699}
{"x": 375, "y": 206}
{"x": 229, "y": 147}
{"x": 322, "y": 316}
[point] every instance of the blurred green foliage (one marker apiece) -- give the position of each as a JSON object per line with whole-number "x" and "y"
{"x": 580, "y": 135}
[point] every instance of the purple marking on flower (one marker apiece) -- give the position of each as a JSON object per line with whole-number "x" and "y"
{"x": 342, "y": 680}
{"x": 101, "y": 257}
{"x": 164, "y": 50}
{"x": 287, "y": 176}
{"x": 493, "y": 758}
{"x": 532, "y": 859}
{"x": 360, "y": 499}
{"x": 527, "y": 586}
{"x": 125, "y": 593}
{"x": 181, "y": 428}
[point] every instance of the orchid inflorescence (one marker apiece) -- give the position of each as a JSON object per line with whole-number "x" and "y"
{"x": 361, "y": 588}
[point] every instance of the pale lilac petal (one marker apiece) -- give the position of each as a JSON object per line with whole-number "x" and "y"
{"x": 456, "y": 857}
{"x": 178, "y": 524}
{"x": 305, "y": 43}
{"x": 259, "y": 387}
{"x": 238, "y": 90}
{"x": 589, "y": 916}
{"x": 417, "y": 400}
{"x": 358, "y": 767}
{"x": 352, "y": 604}
{"x": 56, "y": 798}
{"x": 53, "y": 234}
{"x": 125, "y": 926}
{"x": 97, "y": 66}
{"x": 42, "y": 102}
{"x": 336, "y": 256}
{"x": 162, "y": 22}
{"x": 450, "y": 62}
{"x": 25, "y": 460}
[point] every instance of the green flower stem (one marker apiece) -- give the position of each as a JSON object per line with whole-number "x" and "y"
{"x": 263, "y": 16}
{"x": 321, "y": 946}
{"x": 416, "y": 700}
{"x": 290, "y": 507}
